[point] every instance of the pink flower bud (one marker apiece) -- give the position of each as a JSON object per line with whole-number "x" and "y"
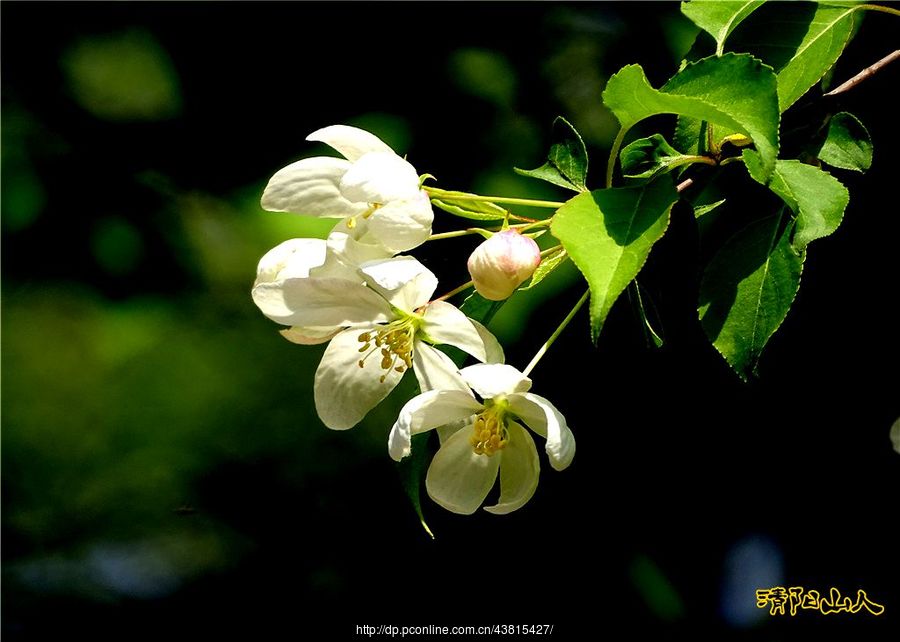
{"x": 502, "y": 263}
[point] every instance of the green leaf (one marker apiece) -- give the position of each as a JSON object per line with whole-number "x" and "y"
{"x": 717, "y": 17}
{"x": 652, "y": 335}
{"x": 477, "y": 307}
{"x": 847, "y": 144}
{"x": 609, "y": 234}
{"x": 653, "y": 156}
{"x": 548, "y": 264}
{"x": 412, "y": 471}
{"x": 816, "y": 197}
{"x": 735, "y": 91}
{"x": 747, "y": 290}
{"x": 567, "y": 160}
{"x": 476, "y": 210}
{"x": 800, "y": 40}
{"x": 702, "y": 210}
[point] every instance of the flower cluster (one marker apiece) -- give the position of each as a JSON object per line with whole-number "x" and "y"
{"x": 374, "y": 307}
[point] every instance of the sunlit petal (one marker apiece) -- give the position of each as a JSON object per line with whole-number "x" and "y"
{"x": 320, "y": 302}
{"x": 444, "y": 323}
{"x": 343, "y": 391}
{"x": 379, "y": 177}
{"x": 543, "y": 418}
{"x": 401, "y": 225}
{"x": 492, "y": 349}
{"x": 352, "y": 142}
{"x": 311, "y": 186}
{"x": 426, "y": 411}
{"x": 293, "y": 258}
{"x": 494, "y": 379}
{"x": 402, "y": 280}
{"x": 435, "y": 370}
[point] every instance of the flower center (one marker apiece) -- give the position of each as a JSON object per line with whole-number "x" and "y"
{"x": 351, "y": 222}
{"x": 394, "y": 342}
{"x": 489, "y": 433}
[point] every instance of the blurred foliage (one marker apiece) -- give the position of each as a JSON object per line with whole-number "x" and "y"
{"x": 123, "y": 76}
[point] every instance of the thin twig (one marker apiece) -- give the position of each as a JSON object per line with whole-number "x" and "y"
{"x": 868, "y": 72}
{"x": 465, "y": 286}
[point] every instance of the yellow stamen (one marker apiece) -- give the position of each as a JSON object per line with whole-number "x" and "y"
{"x": 489, "y": 432}
{"x": 394, "y": 342}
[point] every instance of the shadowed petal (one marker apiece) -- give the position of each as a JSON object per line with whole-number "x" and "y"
{"x": 520, "y": 469}
{"x": 458, "y": 479}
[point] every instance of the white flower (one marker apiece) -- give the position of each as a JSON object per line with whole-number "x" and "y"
{"x": 502, "y": 263}
{"x": 374, "y": 191}
{"x": 483, "y": 438}
{"x": 379, "y": 325}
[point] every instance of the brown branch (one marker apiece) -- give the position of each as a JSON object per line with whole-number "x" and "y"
{"x": 868, "y": 72}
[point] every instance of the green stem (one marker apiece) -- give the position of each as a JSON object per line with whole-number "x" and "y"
{"x": 465, "y": 286}
{"x": 524, "y": 218}
{"x": 881, "y": 8}
{"x": 553, "y": 337}
{"x": 613, "y": 155}
{"x": 449, "y": 195}
{"x": 529, "y": 226}
{"x": 454, "y": 234}
{"x": 551, "y": 250}
{"x": 522, "y": 227}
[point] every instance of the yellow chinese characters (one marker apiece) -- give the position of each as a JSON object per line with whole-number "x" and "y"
{"x": 795, "y": 597}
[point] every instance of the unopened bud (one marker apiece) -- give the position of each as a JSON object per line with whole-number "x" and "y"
{"x": 502, "y": 263}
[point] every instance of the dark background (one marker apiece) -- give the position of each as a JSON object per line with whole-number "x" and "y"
{"x": 163, "y": 468}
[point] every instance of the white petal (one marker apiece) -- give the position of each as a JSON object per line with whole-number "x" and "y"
{"x": 520, "y": 470}
{"x": 293, "y": 258}
{"x": 352, "y": 142}
{"x": 494, "y": 379}
{"x": 310, "y": 186}
{"x": 380, "y": 177}
{"x": 444, "y": 323}
{"x": 458, "y": 479}
{"x": 492, "y": 348}
{"x": 543, "y": 418}
{"x": 345, "y": 255}
{"x": 320, "y": 302}
{"x": 310, "y": 336}
{"x": 445, "y": 432}
{"x": 426, "y": 411}
{"x": 435, "y": 370}
{"x": 401, "y": 225}
{"x": 343, "y": 391}
{"x": 402, "y": 280}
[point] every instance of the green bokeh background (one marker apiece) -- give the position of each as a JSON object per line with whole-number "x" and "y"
{"x": 163, "y": 467}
